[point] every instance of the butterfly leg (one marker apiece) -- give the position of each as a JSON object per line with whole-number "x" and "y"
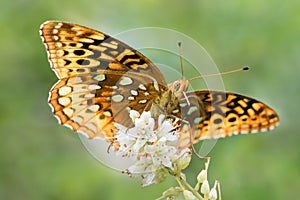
{"x": 186, "y": 137}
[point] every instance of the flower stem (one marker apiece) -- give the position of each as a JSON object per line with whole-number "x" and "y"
{"x": 186, "y": 186}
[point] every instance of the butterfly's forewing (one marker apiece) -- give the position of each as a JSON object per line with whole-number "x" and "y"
{"x": 101, "y": 78}
{"x": 231, "y": 114}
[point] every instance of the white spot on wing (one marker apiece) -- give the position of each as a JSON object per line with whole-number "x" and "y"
{"x": 55, "y": 37}
{"x": 94, "y": 87}
{"x": 244, "y": 132}
{"x": 175, "y": 111}
{"x": 125, "y": 80}
{"x": 64, "y": 90}
{"x": 58, "y": 44}
{"x": 64, "y": 101}
{"x": 197, "y": 120}
{"x": 117, "y": 98}
{"x": 131, "y": 98}
{"x": 107, "y": 113}
{"x": 87, "y": 40}
{"x": 192, "y": 109}
{"x": 263, "y": 130}
{"x": 134, "y": 92}
{"x": 143, "y": 101}
{"x": 142, "y": 87}
{"x": 183, "y": 104}
{"x": 75, "y": 80}
{"x": 68, "y": 111}
{"x": 94, "y": 108}
{"x": 271, "y": 128}
{"x": 59, "y": 53}
{"x": 99, "y": 77}
{"x": 254, "y": 131}
{"x": 89, "y": 95}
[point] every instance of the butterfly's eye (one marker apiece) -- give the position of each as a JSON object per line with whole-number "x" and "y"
{"x": 177, "y": 86}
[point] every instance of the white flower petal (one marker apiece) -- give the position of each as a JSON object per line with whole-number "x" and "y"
{"x": 133, "y": 114}
{"x": 138, "y": 145}
{"x": 120, "y": 127}
{"x": 160, "y": 120}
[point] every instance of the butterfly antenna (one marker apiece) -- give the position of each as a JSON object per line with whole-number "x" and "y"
{"x": 245, "y": 68}
{"x": 180, "y": 58}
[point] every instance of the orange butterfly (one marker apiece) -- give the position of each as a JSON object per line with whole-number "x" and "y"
{"x": 101, "y": 79}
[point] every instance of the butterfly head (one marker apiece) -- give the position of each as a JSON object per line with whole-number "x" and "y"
{"x": 179, "y": 86}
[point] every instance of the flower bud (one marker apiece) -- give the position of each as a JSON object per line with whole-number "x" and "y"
{"x": 205, "y": 188}
{"x": 184, "y": 160}
{"x": 188, "y": 195}
{"x": 202, "y": 176}
{"x": 213, "y": 195}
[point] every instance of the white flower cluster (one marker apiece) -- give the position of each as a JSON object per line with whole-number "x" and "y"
{"x": 153, "y": 145}
{"x": 210, "y": 194}
{"x": 202, "y": 182}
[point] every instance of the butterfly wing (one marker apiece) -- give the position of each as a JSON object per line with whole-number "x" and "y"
{"x": 226, "y": 114}
{"x": 101, "y": 78}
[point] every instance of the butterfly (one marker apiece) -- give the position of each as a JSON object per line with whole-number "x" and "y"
{"x": 101, "y": 79}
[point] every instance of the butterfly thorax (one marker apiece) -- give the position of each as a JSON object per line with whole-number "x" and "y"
{"x": 168, "y": 102}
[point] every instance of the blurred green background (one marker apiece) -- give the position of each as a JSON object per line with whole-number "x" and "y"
{"x": 43, "y": 160}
